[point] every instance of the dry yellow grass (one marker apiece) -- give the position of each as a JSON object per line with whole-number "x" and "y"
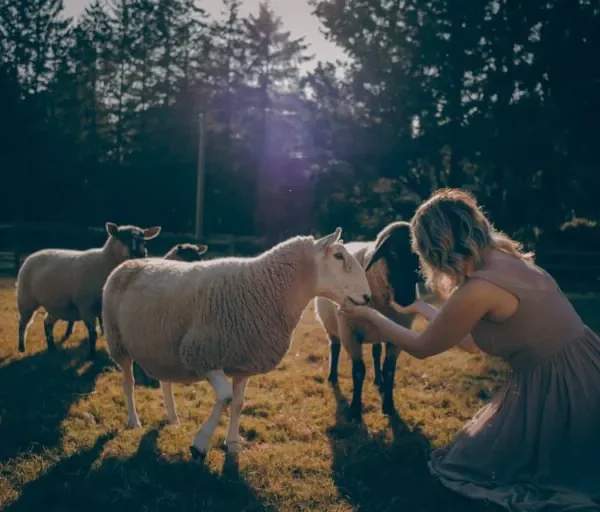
{"x": 63, "y": 445}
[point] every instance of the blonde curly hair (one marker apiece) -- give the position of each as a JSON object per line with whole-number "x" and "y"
{"x": 450, "y": 231}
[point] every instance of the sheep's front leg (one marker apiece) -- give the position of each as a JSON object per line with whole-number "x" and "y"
{"x": 377, "y": 364}
{"x": 389, "y": 370}
{"x": 334, "y": 358}
{"x": 49, "y": 322}
{"x": 169, "y": 399}
{"x": 234, "y": 440}
{"x": 88, "y": 312}
{"x": 224, "y": 392}
{"x": 354, "y": 349}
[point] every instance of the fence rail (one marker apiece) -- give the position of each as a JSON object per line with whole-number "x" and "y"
{"x": 18, "y": 241}
{"x": 575, "y": 270}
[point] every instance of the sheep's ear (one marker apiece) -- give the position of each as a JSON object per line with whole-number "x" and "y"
{"x": 202, "y": 248}
{"x": 328, "y": 240}
{"x": 153, "y": 232}
{"x": 381, "y": 250}
{"x": 111, "y": 228}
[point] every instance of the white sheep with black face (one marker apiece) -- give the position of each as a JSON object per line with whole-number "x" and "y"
{"x": 68, "y": 283}
{"x": 221, "y": 317}
{"x": 392, "y": 271}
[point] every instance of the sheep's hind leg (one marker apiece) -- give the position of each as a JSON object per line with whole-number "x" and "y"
{"x": 334, "y": 359}
{"x": 49, "y": 322}
{"x": 25, "y": 317}
{"x": 234, "y": 440}
{"x": 167, "y": 391}
{"x": 126, "y": 365}
{"x": 377, "y": 364}
{"x": 224, "y": 392}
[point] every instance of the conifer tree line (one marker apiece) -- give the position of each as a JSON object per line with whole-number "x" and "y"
{"x": 99, "y": 114}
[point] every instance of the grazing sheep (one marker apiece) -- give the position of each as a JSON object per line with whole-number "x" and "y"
{"x": 392, "y": 271}
{"x": 68, "y": 283}
{"x": 179, "y": 252}
{"x": 221, "y": 317}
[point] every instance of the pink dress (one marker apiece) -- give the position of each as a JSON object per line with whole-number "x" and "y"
{"x": 536, "y": 445}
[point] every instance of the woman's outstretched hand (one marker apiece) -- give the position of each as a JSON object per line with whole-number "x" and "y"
{"x": 356, "y": 311}
{"x": 414, "y": 308}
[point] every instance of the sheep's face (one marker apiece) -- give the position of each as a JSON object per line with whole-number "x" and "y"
{"x": 186, "y": 252}
{"x": 340, "y": 276}
{"x": 131, "y": 240}
{"x": 401, "y": 263}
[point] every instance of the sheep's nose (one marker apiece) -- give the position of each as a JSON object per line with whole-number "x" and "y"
{"x": 367, "y": 298}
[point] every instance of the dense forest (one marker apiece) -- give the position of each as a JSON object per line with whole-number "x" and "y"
{"x": 99, "y": 114}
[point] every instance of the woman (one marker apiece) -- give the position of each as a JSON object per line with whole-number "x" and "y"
{"x": 536, "y": 446}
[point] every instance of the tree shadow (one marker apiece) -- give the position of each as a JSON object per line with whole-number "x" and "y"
{"x": 36, "y": 393}
{"x": 374, "y": 474}
{"x": 146, "y": 481}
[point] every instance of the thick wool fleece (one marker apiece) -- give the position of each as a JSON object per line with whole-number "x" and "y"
{"x": 180, "y": 320}
{"x": 67, "y": 283}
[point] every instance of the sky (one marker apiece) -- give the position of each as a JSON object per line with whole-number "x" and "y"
{"x": 295, "y": 14}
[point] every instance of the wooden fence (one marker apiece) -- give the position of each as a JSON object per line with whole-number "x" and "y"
{"x": 17, "y": 242}
{"x": 575, "y": 270}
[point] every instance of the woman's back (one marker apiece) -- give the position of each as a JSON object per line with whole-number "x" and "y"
{"x": 536, "y": 445}
{"x": 543, "y": 323}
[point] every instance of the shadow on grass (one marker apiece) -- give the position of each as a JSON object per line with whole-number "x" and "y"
{"x": 146, "y": 481}
{"x": 374, "y": 474}
{"x": 36, "y": 393}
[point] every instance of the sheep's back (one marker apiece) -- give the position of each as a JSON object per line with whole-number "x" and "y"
{"x": 229, "y": 312}
{"x": 54, "y": 278}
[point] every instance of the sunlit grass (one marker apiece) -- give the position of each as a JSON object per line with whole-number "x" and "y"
{"x": 63, "y": 445}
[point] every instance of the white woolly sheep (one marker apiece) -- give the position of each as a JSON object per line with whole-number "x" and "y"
{"x": 222, "y": 317}
{"x": 392, "y": 271}
{"x": 68, "y": 283}
{"x": 180, "y": 252}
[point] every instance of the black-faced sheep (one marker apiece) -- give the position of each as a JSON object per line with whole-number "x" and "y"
{"x": 68, "y": 283}
{"x": 221, "y": 317}
{"x": 392, "y": 271}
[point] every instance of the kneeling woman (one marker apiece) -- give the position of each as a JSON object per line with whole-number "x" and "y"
{"x": 536, "y": 446}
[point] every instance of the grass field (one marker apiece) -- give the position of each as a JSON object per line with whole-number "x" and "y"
{"x": 63, "y": 445}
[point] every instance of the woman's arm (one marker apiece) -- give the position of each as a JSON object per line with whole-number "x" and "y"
{"x": 429, "y": 312}
{"x": 449, "y": 327}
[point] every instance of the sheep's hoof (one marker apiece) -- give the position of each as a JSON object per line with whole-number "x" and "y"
{"x": 133, "y": 424}
{"x": 355, "y": 413}
{"x": 234, "y": 447}
{"x": 197, "y": 454}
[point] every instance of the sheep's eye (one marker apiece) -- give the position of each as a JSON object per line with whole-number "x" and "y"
{"x": 338, "y": 256}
